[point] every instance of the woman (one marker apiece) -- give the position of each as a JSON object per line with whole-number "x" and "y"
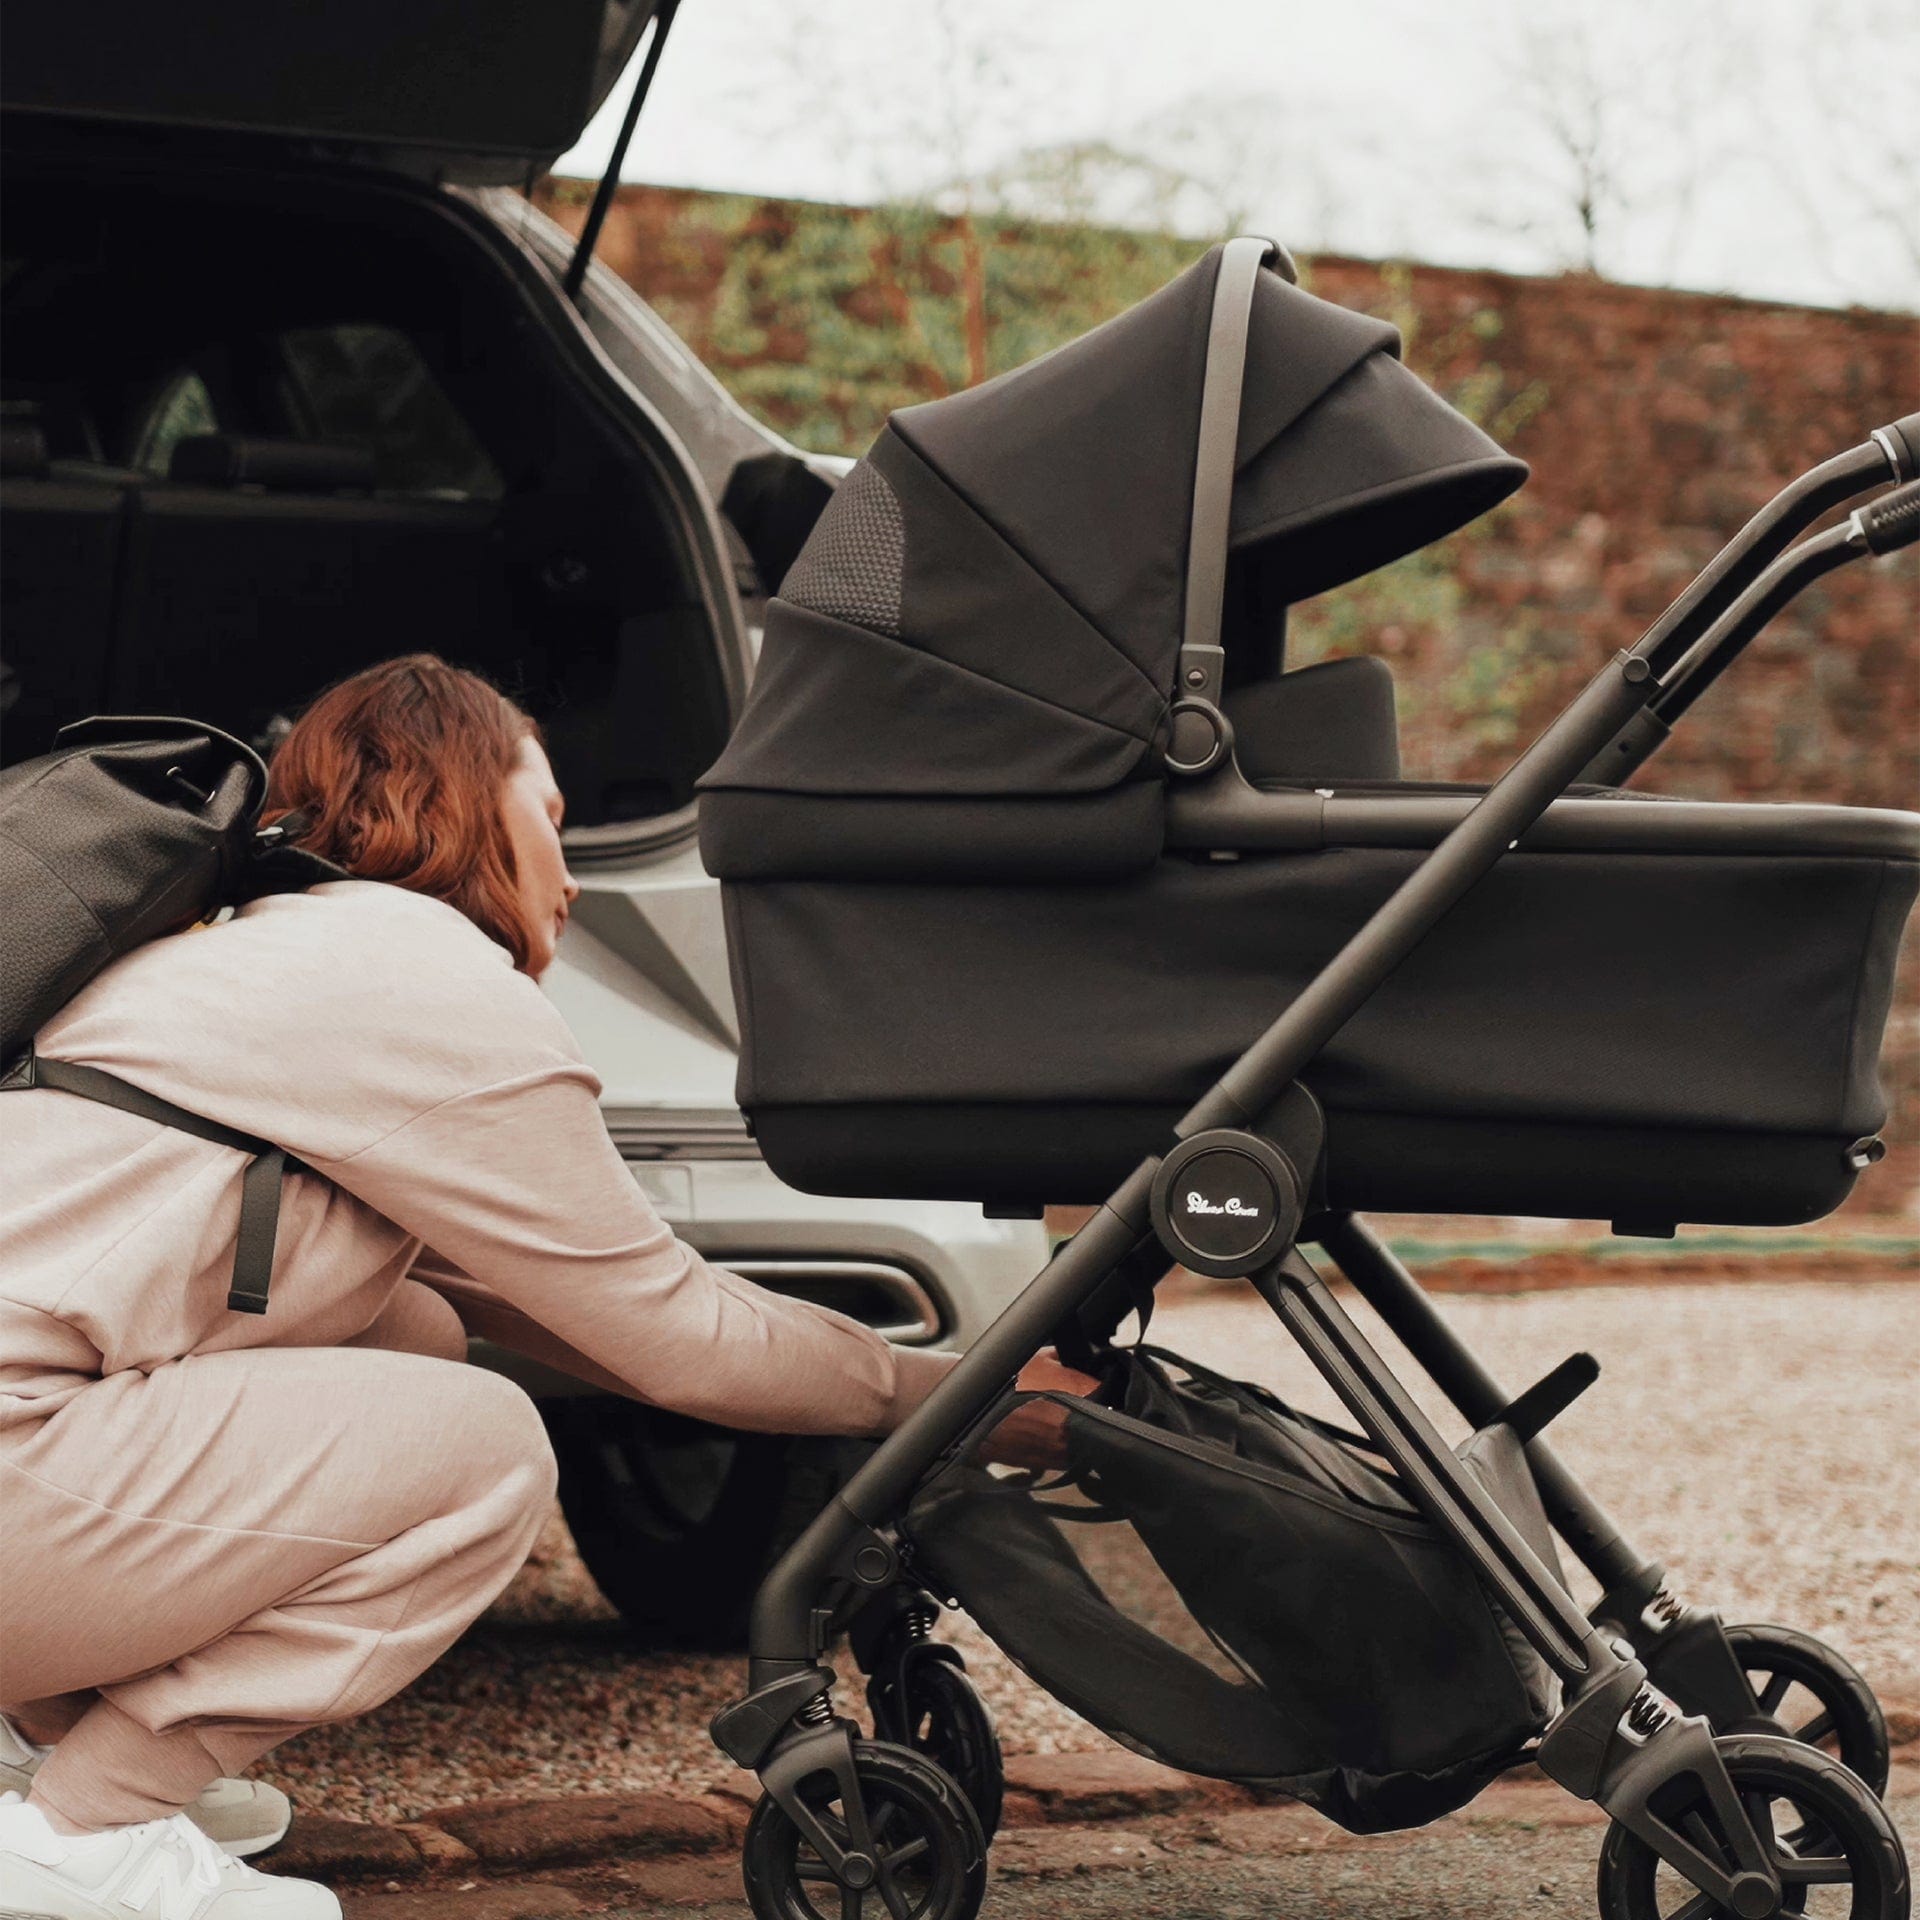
{"x": 223, "y": 1528}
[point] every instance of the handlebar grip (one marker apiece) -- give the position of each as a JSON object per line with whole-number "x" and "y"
{"x": 1899, "y": 440}
{"x": 1892, "y": 521}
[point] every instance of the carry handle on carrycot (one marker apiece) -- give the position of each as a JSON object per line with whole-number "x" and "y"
{"x": 1201, "y": 737}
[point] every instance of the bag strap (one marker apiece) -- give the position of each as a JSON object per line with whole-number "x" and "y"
{"x": 259, "y": 1189}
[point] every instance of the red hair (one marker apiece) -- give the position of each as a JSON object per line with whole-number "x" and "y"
{"x": 398, "y": 772}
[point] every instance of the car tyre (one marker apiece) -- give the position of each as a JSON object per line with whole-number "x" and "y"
{"x": 678, "y": 1521}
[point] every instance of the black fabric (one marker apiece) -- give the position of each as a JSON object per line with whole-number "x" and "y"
{"x": 835, "y": 709}
{"x": 130, "y": 829}
{"x": 1032, "y": 1153}
{"x": 1378, "y": 467}
{"x": 993, "y": 602}
{"x": 1071, "y": 836}
{"x": 127, "y": 830}
{"x": 1619, "y": 990}
{"x": 1646, "y": 997}
{"x": 1240, "y": 1591}
{"x": 1333, "y": 721}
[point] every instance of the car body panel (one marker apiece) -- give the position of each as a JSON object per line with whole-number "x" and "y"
{"x": 475, "y": 90}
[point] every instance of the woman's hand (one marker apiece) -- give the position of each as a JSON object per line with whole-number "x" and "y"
{"x": 1034, "y": 1434}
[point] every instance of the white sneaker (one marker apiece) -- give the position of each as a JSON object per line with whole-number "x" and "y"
{"x": 164, "y": 1869}
{"x": 244, "y": 1816}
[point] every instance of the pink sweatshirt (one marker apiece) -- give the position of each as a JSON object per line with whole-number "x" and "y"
{"x": 454, "y": 1136}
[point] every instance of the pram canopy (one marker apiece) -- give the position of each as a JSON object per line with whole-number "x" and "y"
{"x": 993, "y": 604}
{"x": 991, "y": 933}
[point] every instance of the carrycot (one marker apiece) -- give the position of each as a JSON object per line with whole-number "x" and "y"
{"x": 988, "y": 944}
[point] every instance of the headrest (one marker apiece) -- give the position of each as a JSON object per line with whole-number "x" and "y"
{"x": 23, "y": 449}
{"x": 298, "y": 466}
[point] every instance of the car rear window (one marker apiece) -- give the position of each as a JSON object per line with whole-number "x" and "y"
{"x": 371, "y": 386}
{"x": 182, "y": 410}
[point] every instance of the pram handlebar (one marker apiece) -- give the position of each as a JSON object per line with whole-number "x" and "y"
{"x": 1891, "y": 452}
{"x": 1882, "y": 527}
{"x": 1891, "y": 522}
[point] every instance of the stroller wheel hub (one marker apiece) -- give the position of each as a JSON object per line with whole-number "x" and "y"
{"x": 1226, "y": 1203}
{"x": 1753, "y": 1896}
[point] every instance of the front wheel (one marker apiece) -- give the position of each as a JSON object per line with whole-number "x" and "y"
{"x": 929, "y": 1858}
{"x": 1831, "y": 1843}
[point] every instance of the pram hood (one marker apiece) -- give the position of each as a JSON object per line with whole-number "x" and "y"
{"x": 992, "y": 603}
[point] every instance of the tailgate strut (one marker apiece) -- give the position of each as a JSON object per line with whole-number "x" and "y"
{"x": 610, "y": 180}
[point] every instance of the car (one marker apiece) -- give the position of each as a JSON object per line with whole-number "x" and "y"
{"x": 293, "y": 381}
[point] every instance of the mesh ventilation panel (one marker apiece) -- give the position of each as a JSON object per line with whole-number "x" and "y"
{"x": 851, "y": 567}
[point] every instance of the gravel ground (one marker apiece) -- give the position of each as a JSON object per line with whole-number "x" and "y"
{"x": 1760, "y": 1438}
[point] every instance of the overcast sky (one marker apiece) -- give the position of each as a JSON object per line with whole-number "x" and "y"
{"x": 1769, "y": 147}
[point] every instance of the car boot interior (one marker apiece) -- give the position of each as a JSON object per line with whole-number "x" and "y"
{"x": 262, "y": 430}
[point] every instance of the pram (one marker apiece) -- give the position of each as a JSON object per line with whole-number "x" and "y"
{"x": 1045, "y": 882}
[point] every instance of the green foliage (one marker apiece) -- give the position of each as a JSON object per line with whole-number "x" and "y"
{"x": 824, "y": 319}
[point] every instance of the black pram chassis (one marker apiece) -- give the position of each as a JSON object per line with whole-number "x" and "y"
{"x": 1661, "y": 1717}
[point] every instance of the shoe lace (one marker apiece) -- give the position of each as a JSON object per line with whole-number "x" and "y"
{"x": 210, "y": 1862}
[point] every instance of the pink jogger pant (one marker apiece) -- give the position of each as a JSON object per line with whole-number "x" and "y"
{"x": 207, "y": 1559}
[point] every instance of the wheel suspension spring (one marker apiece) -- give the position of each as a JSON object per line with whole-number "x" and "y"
{"x": 1648, "y": 1714}
{"x": 1663, "y": 1610}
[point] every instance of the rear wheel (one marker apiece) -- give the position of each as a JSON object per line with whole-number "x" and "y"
{"x": 927, "y": 1702}
{"x": 679, "y": 1521}
{"x": 1810, "y": 1694}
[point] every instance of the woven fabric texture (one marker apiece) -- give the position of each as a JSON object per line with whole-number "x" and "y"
{"x": 851, "y": 567}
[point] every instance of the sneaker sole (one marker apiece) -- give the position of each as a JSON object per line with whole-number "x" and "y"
{"x": 242, "y": 1849}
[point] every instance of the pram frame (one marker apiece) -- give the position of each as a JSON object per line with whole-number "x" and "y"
{"x": 1616, "y": 1739}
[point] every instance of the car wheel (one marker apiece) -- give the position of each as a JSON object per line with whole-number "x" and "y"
{"x": 677, "y": 1520}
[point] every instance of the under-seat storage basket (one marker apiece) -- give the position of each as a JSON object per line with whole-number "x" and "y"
{"x": 1241, "y": 1592}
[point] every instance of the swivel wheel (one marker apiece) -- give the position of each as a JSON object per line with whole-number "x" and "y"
{"x": 921, "y": 1697}
{"x": 928, "y": 1859}
{"x": 1827, "y": 1836}
{"x": 1810, "y": 1694}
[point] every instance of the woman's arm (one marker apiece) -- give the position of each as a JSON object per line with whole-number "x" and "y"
{"x": 1033, "y": 1435}
{"x": 519, "y": 1188}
